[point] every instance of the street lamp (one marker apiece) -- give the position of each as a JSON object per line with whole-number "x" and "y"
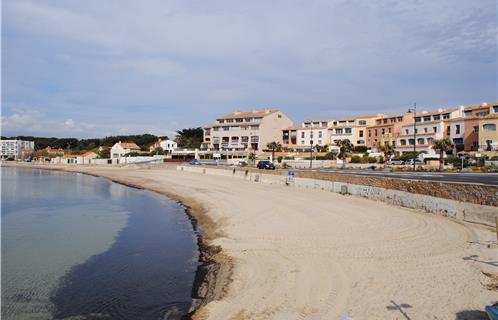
{"x": 414, "y": 110}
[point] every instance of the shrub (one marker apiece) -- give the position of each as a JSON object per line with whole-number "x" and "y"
{"x": 356, "y": 159}
{"x": 360, "y": 149}
{"x": 381, "y": 159}
{"x": 279, "y": 159}
{"x": 371, "y": 159}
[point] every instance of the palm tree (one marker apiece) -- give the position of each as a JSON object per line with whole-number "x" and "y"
{"x": 345, "y": 146}
{"x": 274, "y": 146}
{"x": 387, "y": 149}
{"x": 251, "y": 157}
{"x": 443, "y": 145}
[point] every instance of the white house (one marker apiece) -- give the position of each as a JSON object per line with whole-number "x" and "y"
{"x": 167, "y": 145}
{"x": 119, "y": 149}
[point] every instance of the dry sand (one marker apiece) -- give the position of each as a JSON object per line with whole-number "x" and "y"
{"x": 294, "y": 253}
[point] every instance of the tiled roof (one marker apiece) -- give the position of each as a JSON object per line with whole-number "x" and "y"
{"x": 255, "y": 113}
{"x": 129, "y": 145}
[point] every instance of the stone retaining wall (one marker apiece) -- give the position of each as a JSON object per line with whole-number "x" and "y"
{"x": 438, "y": 198}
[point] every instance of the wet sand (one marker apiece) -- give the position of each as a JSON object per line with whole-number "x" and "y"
{"x": 289, "y": 253}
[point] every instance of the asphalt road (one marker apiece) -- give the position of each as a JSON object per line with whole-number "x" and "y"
{"x": 473, "y": 178}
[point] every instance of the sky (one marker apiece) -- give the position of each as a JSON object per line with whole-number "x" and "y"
{"x": 93, "y": 68}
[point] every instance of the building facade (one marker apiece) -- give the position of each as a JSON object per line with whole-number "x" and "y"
{"x": 386, "y": 130}
{"x": 167, "y": 145}
{"x": 300, "y": 138}
{"x": 16, "y": 149}
{"x": 245, "y": 131}
{"x": 120, "y": 149}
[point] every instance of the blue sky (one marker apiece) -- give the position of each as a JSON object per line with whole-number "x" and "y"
{"x": 95, "y": 68}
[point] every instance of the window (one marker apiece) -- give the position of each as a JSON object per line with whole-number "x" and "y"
{"x": 375, "y": 132}
{"x": 226, "y": 128}
{"x": 418, "y": 119}
{"x": 302, "y": 134}
{"x": 302, "y": 142}
{"x": 457, "y": 129}
{"x": 468, "y": 114}
{"x": 430, "y": 140}
{"x": 229, "y": 120}
{"x": 420, "y": 140}
{"x": 476, "y": 128}
{"x": 239, "y": 120}
{"x": 495, "y": 108}
{"x": 361, "y": 134}
{"x": 436, "y": 117}
{"x": 448, "y": 129}
{"x": 389, "y": 129}
{"x": 406, "y": 131}
{"x": 446, "y": 116}
{"x": 236, "y": 128}
{"x": 360, "y": 142}
{"x": 254, "y": 127}
{"x": 244, "y": 139}
{"x": 362, "y": 123}
{"x": 221, "y": 121}
{"x": 434, "y": 129}
{"x": 489, "y": 127}
{"x": 383, "y": 131}
{"x": 216, "y": 129}
{"x": 416, "y": 130}
{"x": 427, "y": 118}
{"x": 369, "y": 133}
{"x": 425, "y": 130}
{"x": 347, "y": 130}
{"x": 254, "y": 139}
{"x": 243, "y": 128}
{"x": 319, "y": 141}
{"x": 482, "y": 114}
{"x": 411, "y": 141}
{"x": 257, "y": 119}
{"x": 235, "y": 139}
{"x": 247, "y": 119}
{"x": 403, "y": 142}
{"x": 319, "y": 134}
{"x": 338, "y": 131}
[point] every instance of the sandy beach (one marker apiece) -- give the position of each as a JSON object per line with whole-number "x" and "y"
{"x": 289, "y": 253}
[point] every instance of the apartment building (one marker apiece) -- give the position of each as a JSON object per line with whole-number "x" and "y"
{"x": 464, "y": 126}
{"x": 243, "y": 131}
{"x": 16, "y": 149}
{"x": 342, "y": 129}
{"x": 386, "y": 129}
{"x": 425, "y": 128}
{"x": 300, "y": 138}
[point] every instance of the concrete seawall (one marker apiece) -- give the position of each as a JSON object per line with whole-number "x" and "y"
{"x": 461, "y": 210}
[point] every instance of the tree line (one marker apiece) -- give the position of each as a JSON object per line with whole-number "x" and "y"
{"x": 186, "y": 138}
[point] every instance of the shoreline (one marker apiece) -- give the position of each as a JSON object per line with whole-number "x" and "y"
{"x": 213, "y": 273}
{"x": 276, "y": 252}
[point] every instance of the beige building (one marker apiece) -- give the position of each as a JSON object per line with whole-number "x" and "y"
{"x": 299, "y": 138}
{"x": 245, "y": 131}
{"x": 120, "y": 149}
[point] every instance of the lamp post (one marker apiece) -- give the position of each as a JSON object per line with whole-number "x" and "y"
{"x": 414, "y": 110}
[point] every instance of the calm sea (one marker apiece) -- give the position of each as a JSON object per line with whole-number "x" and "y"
{"x": 81, "y": 247}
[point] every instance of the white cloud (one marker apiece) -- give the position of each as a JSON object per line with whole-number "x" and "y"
{"x": 69, "y": 124}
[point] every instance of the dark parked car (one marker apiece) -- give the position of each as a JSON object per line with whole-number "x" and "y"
{"x": 265, "y": 164}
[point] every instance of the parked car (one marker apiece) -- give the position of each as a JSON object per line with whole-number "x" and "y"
{"x": 395, "y": 162}
{"x": 265, "y": 164}
{"x": 417, "y": 161}
{"x": 195, "y": 162}
{"x": 240, "y": 163}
